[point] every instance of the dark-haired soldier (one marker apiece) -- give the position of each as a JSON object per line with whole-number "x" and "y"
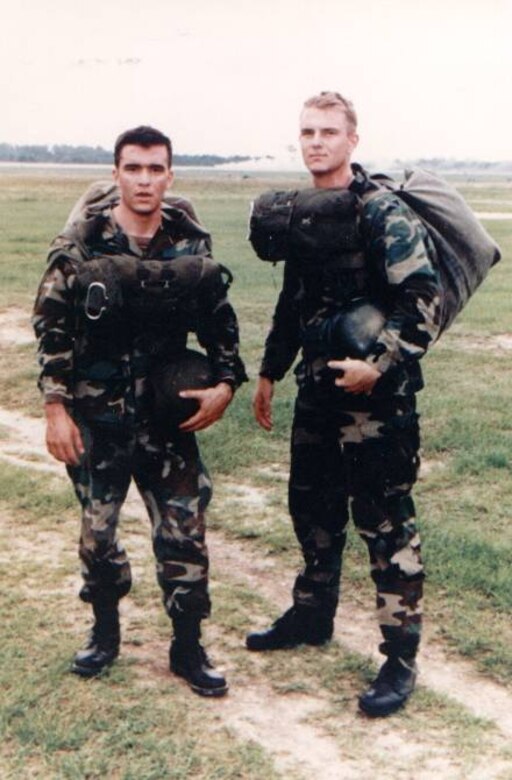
{"x": 355, "y": 435}
{"x": 105, "y": 322}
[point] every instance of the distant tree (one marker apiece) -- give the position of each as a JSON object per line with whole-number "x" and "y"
{"x": 64, "y": 153}
{"x": 28, "y": 153}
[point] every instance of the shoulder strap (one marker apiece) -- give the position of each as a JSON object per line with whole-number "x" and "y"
{"x": 381, "y": 186}
{"x": 103, "y": 194}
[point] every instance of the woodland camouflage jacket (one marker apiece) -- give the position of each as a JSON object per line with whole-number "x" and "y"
{"x": 100, "y": 368}
{"x": 401, "y": 276}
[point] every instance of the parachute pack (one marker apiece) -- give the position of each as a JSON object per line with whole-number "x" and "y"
{"x": 143, "y": 288}
{"x": 465, "y": 251}
{"x": 120, "y": 294}
{"x": 148, "y": 291}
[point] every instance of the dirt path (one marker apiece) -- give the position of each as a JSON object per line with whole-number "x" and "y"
{"x": 254, "y": 712}
{"x": 15, "y": 327}
{"x": 357, "y": 631}
{"x": 282, "y": 725}
{"x": 288, "y": 727}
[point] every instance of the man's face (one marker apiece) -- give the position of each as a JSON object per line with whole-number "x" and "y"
{"x": 143, "y": 175}
{"x": 326, "y": 141}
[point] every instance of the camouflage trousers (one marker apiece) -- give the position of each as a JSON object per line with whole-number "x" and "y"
{"x": 176, "y": 490}
{"x": 364, "y": 459}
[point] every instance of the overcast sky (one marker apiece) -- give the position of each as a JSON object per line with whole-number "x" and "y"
{"x": 428, "y": 77}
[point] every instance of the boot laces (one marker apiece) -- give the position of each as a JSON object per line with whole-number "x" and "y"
{"x": 287, "y": 619}
{"x": 200, "y": 654}
{"x": 393, "y": 669}
{"x": 193, "y": 655}
{"x": 105, "y": 630}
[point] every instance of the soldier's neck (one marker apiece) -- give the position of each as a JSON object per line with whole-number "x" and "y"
{"x": 340, "y": 178}
{"x": 133, "y": 224}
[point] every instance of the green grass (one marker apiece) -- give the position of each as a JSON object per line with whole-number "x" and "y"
{"x": 131, "y": 723}
{"x": 464, "y": 505}
{"x": 138, "y": 721}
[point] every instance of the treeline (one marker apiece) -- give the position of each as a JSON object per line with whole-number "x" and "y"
{"x": 64, "y": 153}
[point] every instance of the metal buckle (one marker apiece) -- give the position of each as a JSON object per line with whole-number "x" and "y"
{"x": 96, "y": 300}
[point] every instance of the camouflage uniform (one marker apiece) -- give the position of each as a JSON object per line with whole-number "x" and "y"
{"x": 100, "y": 369}
{"x": 360, "y": 451}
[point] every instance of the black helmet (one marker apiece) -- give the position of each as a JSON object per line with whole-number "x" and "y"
{"x": 189, "y": 370}
{"x": 350, "y": 333}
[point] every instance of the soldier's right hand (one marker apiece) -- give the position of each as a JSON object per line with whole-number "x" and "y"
{"x": 262, "y": 402}
{"x": 63, "y": 438}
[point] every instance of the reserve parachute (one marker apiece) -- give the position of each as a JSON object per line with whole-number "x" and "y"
{"x": 123, "y": 293}
{"x": 145, "y": 289}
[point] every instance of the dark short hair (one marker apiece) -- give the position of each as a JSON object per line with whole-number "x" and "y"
{"x": 144, "y": 135}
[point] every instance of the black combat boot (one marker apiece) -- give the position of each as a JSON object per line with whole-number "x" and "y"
{"x": 102, "y": 647}
{"x": 188, "y": 659}
{"x": 299, "y": 625}
{"x": 392, "y": 687}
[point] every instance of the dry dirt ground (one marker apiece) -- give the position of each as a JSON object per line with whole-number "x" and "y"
{"x": 290, "y": 727}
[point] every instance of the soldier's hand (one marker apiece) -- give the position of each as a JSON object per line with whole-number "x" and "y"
{"x": 262, "y": 402}
{"x": 356, "y": 376}
{"x": 63, "y": 438}
{"x": 213, "y": 402}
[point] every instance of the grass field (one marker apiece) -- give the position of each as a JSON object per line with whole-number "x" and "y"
{"x": 51, "y": 727}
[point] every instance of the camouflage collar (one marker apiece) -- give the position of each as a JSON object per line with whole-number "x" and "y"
{"x": 94, "y": 223}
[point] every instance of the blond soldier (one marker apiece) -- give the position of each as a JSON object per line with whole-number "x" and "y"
{"x": 355, "y": 435}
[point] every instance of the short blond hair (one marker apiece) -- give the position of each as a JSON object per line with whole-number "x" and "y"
{"x": 332, "y": 100}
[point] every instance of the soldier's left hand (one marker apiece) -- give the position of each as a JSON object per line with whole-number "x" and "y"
{"x": 356, "y": 376}
{"x": 212, "y": 404}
